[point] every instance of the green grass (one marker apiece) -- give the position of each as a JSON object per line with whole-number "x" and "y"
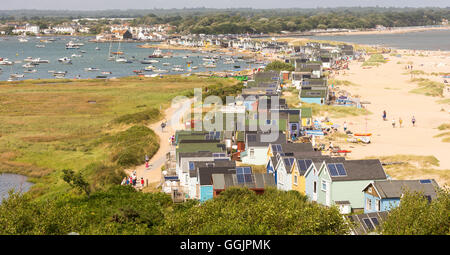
{"x": 428, "y": 87}
{"x": 444, "y": 101}
{"x": 374, "y": 60}
{"x": 445, "y": 135}
{"x": 444, "y": 126}
{"x": 341, "y": 83}
{"x": 336, "y": 111}
{"x": 415, "y": 167}
{"x": 49, "y": 125}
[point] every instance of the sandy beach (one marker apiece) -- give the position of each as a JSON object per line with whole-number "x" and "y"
{"x": 387, "y": 87}
{"x": 399, "y": 30}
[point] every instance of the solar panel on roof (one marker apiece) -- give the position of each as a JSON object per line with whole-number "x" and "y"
{"x": 248, "y": 178}
{"x": 274, "y": 148}
{"x": 217, "y": 135}
{"x": 425, "y": 181}
{"x": 368, "y": 224}
{"x": 341, "y": 169}
{"x": 247, "y": 170}
{"x": 308, "y": 163}
{"x": 239, "y": 170}
{"x": 302, "y": 165}
{"x": 333, "y": 170}
{"x": 279, "y": 147}
{"x": 375, "y": 221}
{"x": 240, "y": 178}
{"x": 191, "y": 165}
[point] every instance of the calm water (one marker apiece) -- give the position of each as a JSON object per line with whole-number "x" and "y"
{"x": 426, "y": 40}
{"x": 13, "y": 181}
{"x": 14, "y": 50}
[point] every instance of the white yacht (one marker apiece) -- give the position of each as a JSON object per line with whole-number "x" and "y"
{"x": 65, "y": 60}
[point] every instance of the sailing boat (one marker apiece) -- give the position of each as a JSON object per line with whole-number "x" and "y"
{"x": 118, "y": 52}
{"x": 110, "y": 58}
{"x": 97, "y": 48}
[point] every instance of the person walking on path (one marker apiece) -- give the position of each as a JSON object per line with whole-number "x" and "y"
{"x": 400, "y": 121}
{"x": 393, "y": 123}
{"x": 345, "y": 126}
{"x": 413, "y": 120}
{"x": 384, "y": 115}
{"x": 142, "y": 182}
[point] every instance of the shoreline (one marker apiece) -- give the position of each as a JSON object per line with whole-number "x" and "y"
{"x": 391, "y": 30}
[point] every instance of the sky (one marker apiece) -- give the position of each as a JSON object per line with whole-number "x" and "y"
{"x": 179, "y": 4}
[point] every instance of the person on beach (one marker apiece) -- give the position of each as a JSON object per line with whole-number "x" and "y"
{"x": 124, "y": 181}
{"x": 384, "y": 115}
{"x": 345, "y": 126}
{"x": 413, "y": 120}
{"x": 146, "y": 158}
{"x": 400, "y": 121}
{"x": 393, "y": 123}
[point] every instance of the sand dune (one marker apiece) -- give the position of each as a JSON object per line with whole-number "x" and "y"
{"x": 388, "y": 88}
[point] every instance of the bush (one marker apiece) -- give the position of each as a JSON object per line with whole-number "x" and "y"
{"x": 239, "y": 211}
{"x": 130, "y": 147}
{"x": 279, "y": 66}
{"x": 417, "y": 216}
{"x": 145, "y": 117}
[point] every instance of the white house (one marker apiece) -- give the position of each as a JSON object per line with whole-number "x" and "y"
{"x": 256, "y": 149}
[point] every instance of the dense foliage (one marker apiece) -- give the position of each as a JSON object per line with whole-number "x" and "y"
{"x": 279, "y": 66}
{"x": 122, "y": 210}
{"x": 146, "y": 116}
{"x": 129, "y": 147}
{"x": 239, "y": 211}
{"x": 417, "y": 216}
{"x": 235, "y": 21}
{"x": 222, "y": 91}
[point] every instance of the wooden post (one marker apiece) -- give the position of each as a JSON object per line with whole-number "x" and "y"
{"x": 146, "y": 182}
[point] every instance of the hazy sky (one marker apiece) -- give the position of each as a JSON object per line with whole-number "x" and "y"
{"x": 165, "y": 4}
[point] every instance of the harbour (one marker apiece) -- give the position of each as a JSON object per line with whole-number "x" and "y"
{"x": 77, "y": 58}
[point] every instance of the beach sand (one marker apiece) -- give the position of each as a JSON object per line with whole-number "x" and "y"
{"x": 387, "y": 87}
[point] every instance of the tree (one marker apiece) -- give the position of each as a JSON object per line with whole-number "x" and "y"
{"x": 417, "y": 216}
{"x": 279, "y": 66}
{"x": 76, "y": 180}
{"x": 240, "y": 211}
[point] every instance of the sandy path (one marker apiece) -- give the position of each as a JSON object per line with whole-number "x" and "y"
{"x": 173, "y": 118}
{"x": 387, "y": 88}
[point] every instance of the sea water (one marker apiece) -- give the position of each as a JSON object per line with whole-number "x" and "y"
{"x": 13, "y": 181}
{"x": 14, "y": 50}
{"x": 424, "y": 40}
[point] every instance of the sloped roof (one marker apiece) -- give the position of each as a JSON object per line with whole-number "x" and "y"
{"x": 205, "y": 173}
{"x": 260, "y": 181}
{"x": 257, "y": 142}
{"x": 367, "y": 169}
{"x": 360, "y": 227}
{"x": 395, "y": 188}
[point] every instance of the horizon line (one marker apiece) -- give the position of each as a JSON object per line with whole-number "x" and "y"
{"x": 232, "y": 8}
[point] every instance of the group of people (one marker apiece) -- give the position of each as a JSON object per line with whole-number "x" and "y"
{"x": 400, "y": 121}
{"x": 133, "y": 180}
